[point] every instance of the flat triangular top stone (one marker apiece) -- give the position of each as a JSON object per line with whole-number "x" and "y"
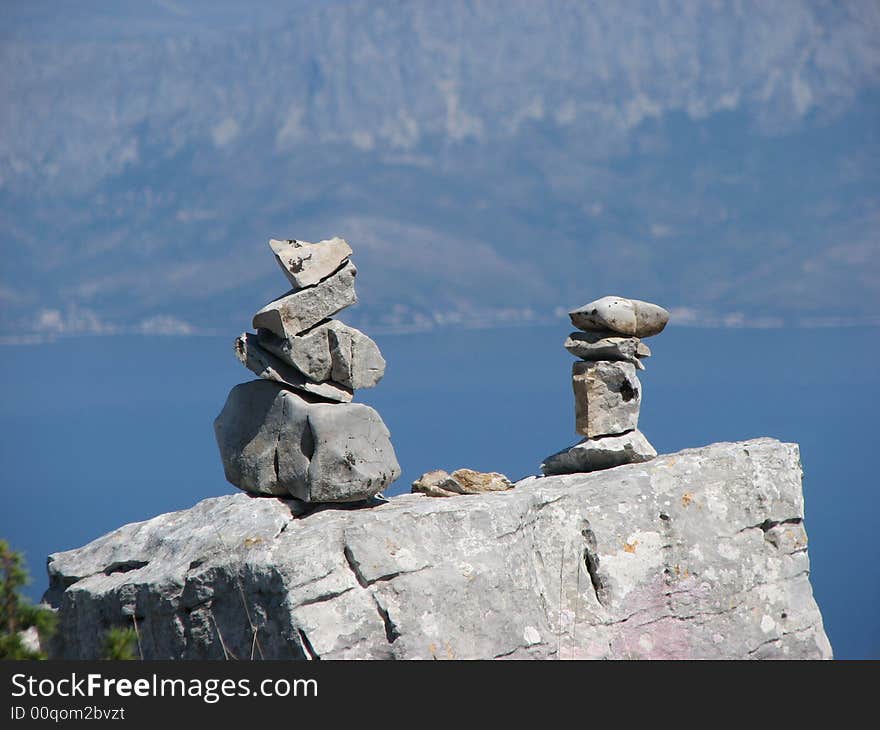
{"x": 304, "y": 263}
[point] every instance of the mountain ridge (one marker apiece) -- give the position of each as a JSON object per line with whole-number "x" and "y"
{"x": 489, "y": 167}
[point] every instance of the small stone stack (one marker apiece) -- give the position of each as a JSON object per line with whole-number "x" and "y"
{"x": 607, "y": 392}
{"x": 295, "y": 431}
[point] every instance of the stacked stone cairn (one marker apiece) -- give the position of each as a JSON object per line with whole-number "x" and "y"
{"x": 295, "y": 432}
{"x": 607, "y": 392}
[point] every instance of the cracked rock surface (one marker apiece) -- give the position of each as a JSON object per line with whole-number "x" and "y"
{"x": 698, "y": 554}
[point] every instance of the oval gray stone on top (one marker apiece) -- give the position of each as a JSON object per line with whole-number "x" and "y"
{"x": 618, "y": 314}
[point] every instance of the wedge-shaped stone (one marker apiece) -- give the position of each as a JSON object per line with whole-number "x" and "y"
{"x": 330, "y": 351}
{"x": 607, "y": 346}
{"x": 600, "y": 453}
{"x": 305, "y": 264}
{"x": 625, "y": 316}
{"x": 300, "y": 309}
{"x": 276, "y": 442}
{"x": 266, "y": 365}
{"x": 607, "y": 396}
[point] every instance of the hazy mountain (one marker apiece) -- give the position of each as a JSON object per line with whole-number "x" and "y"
{"x": 488, "y": 161}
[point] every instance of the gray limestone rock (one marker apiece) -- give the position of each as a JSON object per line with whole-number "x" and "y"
{"x": 356, "y": 360}
{"x": 353, "y": 457}
{"x": 266, "y": 365}
{"x": 305, "y": 264}
{"x": 249, "y": 431}
{"x": 330, "y": 351}
{"x": 300, "y": 309}
{"x": 275, "y": 442}
{"x": 607, "y": 346}
{"x": 626, "y": 316}
{"x": 607, "y": 396}
{"x": 696, "y": 555}
{"x": 600, "y": 453}
{"x": 309, "y": 352}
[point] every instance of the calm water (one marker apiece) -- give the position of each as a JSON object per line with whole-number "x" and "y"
{"x": 97, "y": 432}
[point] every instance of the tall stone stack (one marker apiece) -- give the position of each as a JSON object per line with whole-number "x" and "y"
{"x": 607, "y": 391}
{"x": 295, "y": 432}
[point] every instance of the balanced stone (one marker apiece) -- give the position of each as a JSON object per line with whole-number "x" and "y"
{"x": 330, "y": 351}
{"x": 309, "y": 352}
{"x": 276, "y": 442}
{"x": 305, "y": 264}
{"x": 266, "y": 365}
{"x": 300, "y": 309}
{"x": 600, "y": 453}
{"x": 607, "y": 346}
{"x": 625, "y": 316}
{"x": 607, "y": 396}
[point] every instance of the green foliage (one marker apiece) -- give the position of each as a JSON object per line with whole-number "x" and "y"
{"x": 16, "y": 613}
{"x": 120, "y": 644}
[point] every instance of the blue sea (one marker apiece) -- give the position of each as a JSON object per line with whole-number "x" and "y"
{"x": 101, "y": 431}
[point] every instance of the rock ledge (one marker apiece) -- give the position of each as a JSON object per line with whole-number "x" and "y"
{"x": 699, "y": 554}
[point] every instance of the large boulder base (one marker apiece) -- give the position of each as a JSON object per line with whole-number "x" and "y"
{"x": 699, "y": 554}
{"x": 276, "y": 442}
